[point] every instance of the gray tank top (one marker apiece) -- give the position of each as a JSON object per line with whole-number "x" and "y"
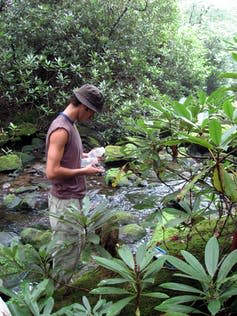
{"x": 75, "y": 187}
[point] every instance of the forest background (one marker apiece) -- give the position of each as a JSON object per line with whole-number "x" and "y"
{"x": 130, "y": 49}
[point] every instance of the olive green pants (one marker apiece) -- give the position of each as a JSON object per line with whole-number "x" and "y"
{"x": 67, "y": 240}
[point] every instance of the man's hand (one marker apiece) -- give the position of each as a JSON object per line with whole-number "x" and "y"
{"x": 93, "y": 169}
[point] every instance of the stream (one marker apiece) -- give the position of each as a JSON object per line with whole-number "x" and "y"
{"x": 140, "y": 201}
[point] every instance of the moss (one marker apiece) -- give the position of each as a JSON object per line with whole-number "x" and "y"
{"x": 36, "y": 237}
{"x": 194, "y": 240}
{"x": 25, "y": 129}
{"x": 10, "y": 162}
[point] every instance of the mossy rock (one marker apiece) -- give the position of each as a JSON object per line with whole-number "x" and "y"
{"x": 131, "y": 233}
{"x": 10, "y": 162}
{"x": 26, "y": 157}
{"x": 12, "y": 201}
{"x": 118, "y": 153}
{"x": 25, "y": 129}
{"x": 113, "y": 153}
{"x": 123, "y": 217}
{"x": 35, "y": 237}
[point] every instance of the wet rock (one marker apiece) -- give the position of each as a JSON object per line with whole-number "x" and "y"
{"x": 117, "y": 153}
{"x": 131, "y": 233}
{"x": 141, "y": 183}
{"x": 26, "y": 158}
{"x": 24, "y": 189}
{"x": 35, "y": 237}
{"x": 12, "y": 201}
{"x": 10, "y": 162}
{"x": 123, "y": 218}
{"x": 7, "y": 237}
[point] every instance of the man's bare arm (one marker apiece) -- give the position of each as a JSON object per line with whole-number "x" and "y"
{"x": 54, "y": 170}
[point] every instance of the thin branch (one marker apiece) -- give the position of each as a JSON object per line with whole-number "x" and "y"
{"x": 119, "y": 19}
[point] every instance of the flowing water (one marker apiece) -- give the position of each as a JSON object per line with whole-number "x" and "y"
{"x": 138, "y": 201}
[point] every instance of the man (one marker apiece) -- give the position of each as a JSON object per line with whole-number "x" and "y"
{"x": 63, "y": 167}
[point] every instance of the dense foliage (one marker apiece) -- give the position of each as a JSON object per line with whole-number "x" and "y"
{"x": 128, "y": 48}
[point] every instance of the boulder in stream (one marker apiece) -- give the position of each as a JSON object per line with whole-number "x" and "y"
{"x": 10, "y": 162}
{"x": 131, "y": 233}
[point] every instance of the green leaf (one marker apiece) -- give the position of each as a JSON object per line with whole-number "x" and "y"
{"x": 49, "y": 304}
{"x": 147, "y": 259}
{"x": 177, "y": 308}
{"x": 215, "y": 131}
{"x": 181, "y": 287}
{"x": 182, "y": 299}
{"x": 227, "y": 265}
{"x": 140, "y": 254}
{"x": 114, "y": 265}
{"x": 228, "y": 136}
{"x": 216, "y": 180}
{"x": 182, "y": 111}
{"x": 109, "y": 290}
{"x": 212, "y": 256}
{"x": 175, "y": 314}
{"x": 127, "y": 256}
{"x": 214, "y": 307}
{"x": 186, "y": 268}
{"x": 194, "y": 262}
{"x": 228, "y": 109}
{"x": 154, "y": 267}
{"x": 93, "y": 238}
{"x": 232, "y": 75}
{"x": 223, "y": 182}
{"x": 175, "y": 222}
{"x": 230, "y": 186}
{"x": 197, "y": 140}
{"x": 7, "y": 292}
{"x": 86, "y": 303}
{"x": 234, "y": 56}
{"x": 156, "y": 294}
{"x": 115, "y": 308}
{"x": 112, "y": 281}
{"x": 229, "y": 293}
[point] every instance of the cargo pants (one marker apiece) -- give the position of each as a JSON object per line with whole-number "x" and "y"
{"x": 67, "y": 240}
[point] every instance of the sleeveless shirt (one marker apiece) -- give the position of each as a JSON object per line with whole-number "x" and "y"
{"x": 73, "y": 187}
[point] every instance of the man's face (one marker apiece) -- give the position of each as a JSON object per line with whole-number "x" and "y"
{"x": 85, "y": 114}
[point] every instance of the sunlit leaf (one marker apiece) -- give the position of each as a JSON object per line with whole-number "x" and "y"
{"x": 126, "y": 255}
{"x": 214, "y": 306}
{"x": 227, "y": 265}
{"x": 212, "y": 256}
{"x": 215, "y": 131}
{"x": 194, "y": 262}
{"x": 228, "y": 109}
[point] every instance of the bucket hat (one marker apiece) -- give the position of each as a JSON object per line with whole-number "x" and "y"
{"x": 90, "y": 96}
